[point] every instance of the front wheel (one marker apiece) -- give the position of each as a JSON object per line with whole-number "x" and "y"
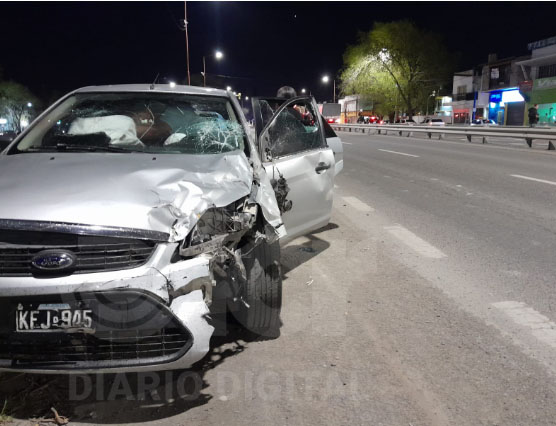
{"x": 262, "y": 291}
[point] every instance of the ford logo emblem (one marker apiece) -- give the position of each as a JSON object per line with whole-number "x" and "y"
{"x": 53, "y": 260}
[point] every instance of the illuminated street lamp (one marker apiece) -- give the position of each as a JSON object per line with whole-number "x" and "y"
{"x": 247, "y": 98}
{"x": 229, "y": 88}
{"x": 325, "y": 80}
{"x": 172, "y": 84}
{"x": 29, "y": 104}
{"x": 303, "y": 90}
{"x": 218, "y": 55}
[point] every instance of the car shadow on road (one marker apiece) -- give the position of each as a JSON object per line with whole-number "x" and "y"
{"x": 140, "y": 397}
{"x": 294, "y": 255}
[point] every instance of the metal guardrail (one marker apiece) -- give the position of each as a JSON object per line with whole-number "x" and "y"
{"x": 527, "y": 133}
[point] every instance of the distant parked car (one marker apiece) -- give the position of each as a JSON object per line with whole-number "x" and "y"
{"x": 433, "y": 122}
{"x": 483, "y": 122}
{"x": 368, "y": 119}
{"x": 408, "y": 122}
{"x": 6, "y": 138}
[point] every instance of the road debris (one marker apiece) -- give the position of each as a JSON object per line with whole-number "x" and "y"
{"x": 57, "y": 420}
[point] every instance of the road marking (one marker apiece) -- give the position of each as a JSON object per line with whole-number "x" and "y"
{"x": 347, "y": 143}
{"x": 357, "y": 204}
{"x": 414, "y": 242}
{"x": 541, "y": 327}
{"x": 534, "y": 179}
{"x": 399, "y": 153}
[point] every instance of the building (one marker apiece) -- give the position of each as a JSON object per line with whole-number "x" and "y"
{"x": 501, "y": 79}
{"x": 464, "y": 90}
{"x": 353, "y": 106}
{"x": 539, "y": 86}
{"x": 350, "y": 109}
{"x": 443, "y": 108}
{"x": 492, "y": 91}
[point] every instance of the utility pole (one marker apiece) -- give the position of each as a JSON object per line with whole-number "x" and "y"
{"x": 204, "y": 73}
{"x": 186, "y": 42}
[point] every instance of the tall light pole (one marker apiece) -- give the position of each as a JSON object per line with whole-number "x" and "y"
{"x": 218, "y": 55}
{"x": 186, "y": 42}
{"x": 325, "y": 80}
{"x": 432, "y": 94}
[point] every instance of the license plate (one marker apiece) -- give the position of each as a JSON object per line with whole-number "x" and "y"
{"x": 49, "y": 317}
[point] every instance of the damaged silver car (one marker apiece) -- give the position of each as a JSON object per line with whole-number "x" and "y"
{"x": 126, "y": 210}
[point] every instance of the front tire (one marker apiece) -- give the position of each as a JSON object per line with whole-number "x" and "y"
{"x": 262, "y": 291}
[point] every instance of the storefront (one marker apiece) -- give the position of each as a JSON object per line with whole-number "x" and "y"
{"x": 461, "y": 116}
{"x": 506, "y": 107}
{"x": 544, "y": 94}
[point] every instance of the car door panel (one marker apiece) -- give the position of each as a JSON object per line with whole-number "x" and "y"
{"x": 311, "y": 192}
{"x": 304, "y": 160}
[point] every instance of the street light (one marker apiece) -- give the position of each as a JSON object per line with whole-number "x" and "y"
{"x": 247, "y": 98}
{"x": 432, "y": 94}
{"x": 29, "y": 104}
{"x": 218, "y": 55}
{"x": 325, "y": 80}
{"x": 229, "y": 88}
{"x": 172, "y": 84}
{"x": 303, "y": 90}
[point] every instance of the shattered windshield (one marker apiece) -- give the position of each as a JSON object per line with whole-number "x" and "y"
{"x": 138, "y": 122}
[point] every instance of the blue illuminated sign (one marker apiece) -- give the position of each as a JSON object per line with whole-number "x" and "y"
{"x": 496, "y": 97}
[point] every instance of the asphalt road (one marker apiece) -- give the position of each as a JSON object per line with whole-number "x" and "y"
{"x": 428, "y": 300}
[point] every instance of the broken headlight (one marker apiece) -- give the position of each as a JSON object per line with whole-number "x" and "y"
{"x": 218, "y": 227}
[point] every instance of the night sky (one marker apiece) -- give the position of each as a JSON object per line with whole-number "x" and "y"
{"x": 56, "y": 47}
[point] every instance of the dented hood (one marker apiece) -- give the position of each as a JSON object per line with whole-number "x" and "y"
{"x": 164, "y": 193}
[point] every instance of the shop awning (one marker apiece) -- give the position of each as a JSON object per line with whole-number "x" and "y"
{"x": 541, "y": 60}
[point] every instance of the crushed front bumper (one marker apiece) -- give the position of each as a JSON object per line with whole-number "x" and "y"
{"x": 144, "y": 319}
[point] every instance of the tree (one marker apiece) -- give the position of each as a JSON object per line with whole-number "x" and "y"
{"x": 14, "y": 100}
{"x": 396, "y": 64}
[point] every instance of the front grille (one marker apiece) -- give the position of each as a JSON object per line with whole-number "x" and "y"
{"x": 113, "y": 345}
{"x": 129, "y": 329}
{"x": 92, "y": 253}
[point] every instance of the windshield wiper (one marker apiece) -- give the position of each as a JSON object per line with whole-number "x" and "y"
{"x": 61, "y": 147}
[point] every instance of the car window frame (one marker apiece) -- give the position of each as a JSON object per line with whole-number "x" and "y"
{"x": 264, "y": 150}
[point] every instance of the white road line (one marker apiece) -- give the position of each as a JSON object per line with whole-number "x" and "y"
{"x": 414, "y": 242}
{"x": 399, "y": 153}
{"x": 347, "y": 143}
{"x": 534, "y": 179}
{"x": 541, "y": 327}
{"x": 357, "y": 204}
